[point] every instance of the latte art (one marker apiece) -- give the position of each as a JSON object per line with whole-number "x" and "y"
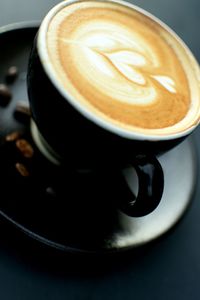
{"x": 119, "y": 64}
{"x": 119, "y": 57}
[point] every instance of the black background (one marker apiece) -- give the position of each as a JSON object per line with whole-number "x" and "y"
{"x": 167, "y": 269}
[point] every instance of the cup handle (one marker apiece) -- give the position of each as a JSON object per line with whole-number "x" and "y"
{"x": 150, "y": 188}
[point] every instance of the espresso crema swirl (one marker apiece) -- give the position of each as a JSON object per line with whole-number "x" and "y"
{"x": 119, "y": 64}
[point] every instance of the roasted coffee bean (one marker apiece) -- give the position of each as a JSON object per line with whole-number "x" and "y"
{"x": 5, "y": 95}
{"x": 22, "y": 112}
{"x": 25, "y": 148}
{"x": 13, "y": 136}
{"x": 22, "y": 170}
{"x": 11, "y": 74}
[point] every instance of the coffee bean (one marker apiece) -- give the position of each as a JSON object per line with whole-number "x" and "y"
{"x": 25, "y": 148}
{"x": 13, "y": 136}
{"x": 5, "y": 95}
{"x": 11, "y": 74}
{"x": 22, "y": 170}
{"x": 22, "y": 112}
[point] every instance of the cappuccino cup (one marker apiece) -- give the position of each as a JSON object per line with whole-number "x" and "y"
{"x": 111, "y": 86}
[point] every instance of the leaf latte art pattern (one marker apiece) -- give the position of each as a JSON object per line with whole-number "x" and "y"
{"x": 119, "y": 64}
{"x": 110, "y": 57}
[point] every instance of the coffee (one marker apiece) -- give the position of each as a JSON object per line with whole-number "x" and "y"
{"x": 124, "y": 67}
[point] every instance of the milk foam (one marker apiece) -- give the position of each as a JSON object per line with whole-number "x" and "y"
{"x": 120, "y": 64}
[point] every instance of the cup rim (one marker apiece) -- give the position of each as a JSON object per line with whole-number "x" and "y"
{"x": 81, "y": 108}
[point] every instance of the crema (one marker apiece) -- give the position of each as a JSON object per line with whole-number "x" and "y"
{"x": 120, "y": 64}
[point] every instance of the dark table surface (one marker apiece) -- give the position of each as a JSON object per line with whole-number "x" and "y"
{"x": 167, "y": 269}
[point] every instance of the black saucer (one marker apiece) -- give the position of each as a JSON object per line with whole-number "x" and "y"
{"x": 66, "y": 210}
